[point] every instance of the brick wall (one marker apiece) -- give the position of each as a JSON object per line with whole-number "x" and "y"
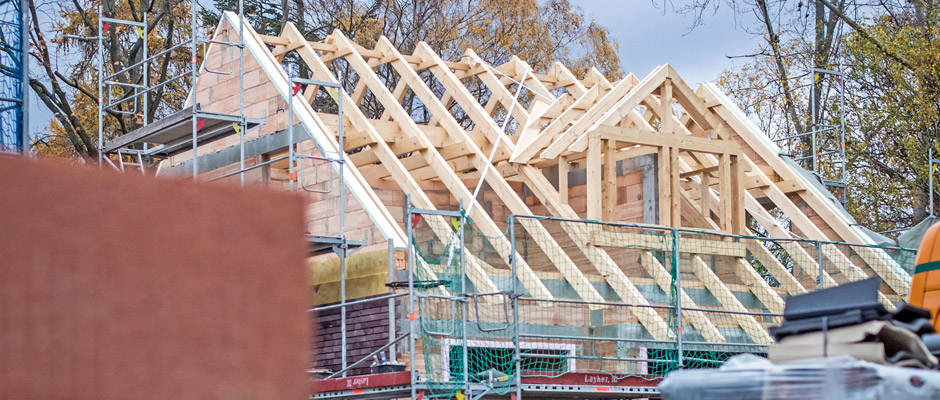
{"x": 367, "y": 330}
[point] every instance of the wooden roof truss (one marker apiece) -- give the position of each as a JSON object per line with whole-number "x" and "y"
{"x": 712, "y": 168}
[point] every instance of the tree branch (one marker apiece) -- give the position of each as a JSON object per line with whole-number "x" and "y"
{"x": 781, "y": 69}
{"x": 863, "y": 33}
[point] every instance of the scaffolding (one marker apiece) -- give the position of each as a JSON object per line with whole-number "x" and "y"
{"x": 824, "y": 154}
{"x": 461, "y": 342}
{"x": 14, "y": 78}
{"x": 182, "y": 131}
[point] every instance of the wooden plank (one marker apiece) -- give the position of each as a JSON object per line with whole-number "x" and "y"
{"x": 895, "y": 279}
{"x": 541, "y": 236}
{"x": 711, "y": 247}
{"x": 665, "y": 110}
{"x": 691, "y": 103}
{"x": 617, "y": 103}
{"x": 388, "y": 158}
{"x": 757, "y": 285}
{"x": 594, "y": 165}
{"x": 610, "y": 181}
{"x": 773, "y": 265}
{"x": 737, "y": 195}
{"x": 705, "y": 195}
{"x": 743, "y": 270}
{"x": 555, "y": 128}
{"x": 436, "y": 161}
{"x": 662, "y": 174}
{"x": 644, "y": 137}
{"x": 567, "y": 80}
{"x": 729, "y": 302}
{"x": 563, "y": 180}
{"x": 724, "y": 191}
{"x": 533, "y": 126}
{"x": 500, "y": 92}
{"x": 674, "y": 190}
{"x": 665, "y": 282}
{"x": 499, "y": 185}
{"x": 612, "y": 273}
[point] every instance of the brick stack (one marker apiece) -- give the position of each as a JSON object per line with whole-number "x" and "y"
{"x": 367, "y": 330}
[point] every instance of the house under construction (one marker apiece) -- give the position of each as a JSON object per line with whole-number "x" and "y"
{"x": 524, "y": 234}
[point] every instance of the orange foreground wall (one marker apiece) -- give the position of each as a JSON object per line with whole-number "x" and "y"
{"x": 117, "y": 286}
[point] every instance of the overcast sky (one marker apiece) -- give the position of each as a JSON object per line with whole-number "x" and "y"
{"x": 650, "y": 35}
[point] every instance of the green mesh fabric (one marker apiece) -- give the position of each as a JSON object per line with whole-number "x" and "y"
{"x": 602, "y": 297}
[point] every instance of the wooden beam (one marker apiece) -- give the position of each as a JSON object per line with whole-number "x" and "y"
{"x": 665, "y": 281}
{"x": 643, "y": 137}
{"x": 665, "y": 111}
{"x": 705, "y": 194}
{"x": 500, "y": 92}
{"x": 617, "y": 103}
{"x": 563, "y": 180}
{"x": 555, "y": 128}
{"x": 612, "y": 273}
{"x": 499, "y": 185}
{"x": 656, "y": 242}
{"x": 533, "y": 128}
{"x": 736, "y": 195}
{"x": 748, "y": 323}
{"x": 594, "y": 166}
{"x": 662, "y": 176}
{"x": 877, "y": 262}
{"x": 610, "y": 181}
{"x": 381, "y": 149}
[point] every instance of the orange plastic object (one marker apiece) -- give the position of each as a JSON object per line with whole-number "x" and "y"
{"x": 925, "y": 290}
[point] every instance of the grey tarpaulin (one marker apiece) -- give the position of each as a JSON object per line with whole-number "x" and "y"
{"x": 911, "y": 239}
{"x": 813, "y": 180}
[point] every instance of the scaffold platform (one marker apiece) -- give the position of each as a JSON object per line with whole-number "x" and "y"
{"x": 324, "y": 244}
{"x": 571, "y": 385}
{"x": 174, "y": 134}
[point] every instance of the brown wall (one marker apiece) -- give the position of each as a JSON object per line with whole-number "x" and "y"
{"x": 117, "y": 286}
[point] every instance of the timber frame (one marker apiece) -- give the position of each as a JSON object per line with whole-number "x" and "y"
{"x": 715, "y": 171}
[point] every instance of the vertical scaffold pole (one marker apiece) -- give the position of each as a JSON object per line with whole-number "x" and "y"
{"x": 819, "y": 260}
{"x": 341, "y": 159}
{"x": 101, "y": 65}
{"x": 194, "y": 77}
{"x": 391, "y": 301}
{"x": 463, "y": 294}
{"x": 145, "y": 70}
{"x": 678, "y": 291}
{"x": 290, "y": 133}
{"x": 411, "y": 296}
{"x": 517, "y": 351}
{"x": 24, "y": 70}
{"x": 241, "y": 89}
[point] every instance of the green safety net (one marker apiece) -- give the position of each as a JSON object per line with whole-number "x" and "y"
{"x": 606, "y": 298}
{"x": 465, "y": 321}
